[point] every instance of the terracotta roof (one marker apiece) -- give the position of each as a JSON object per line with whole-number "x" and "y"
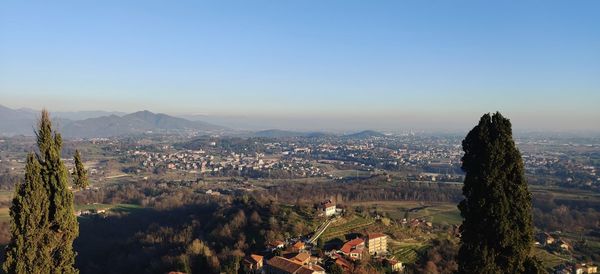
{"x": 342, "y": 262}
{"x": 317, "y": 267}
{"x": 299, "y": 245}
{"x": 257, "y": 258}
{"x": 283, "y": 264}
{"x": 254, "y": 259}
{"x": 302, "y": 257}
{"x": 348, "y": 246}
{"x": 375, "y": 235}
{"x": 309, "y": 269}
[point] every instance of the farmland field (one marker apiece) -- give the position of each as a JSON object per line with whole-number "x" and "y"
{"x": 437, "y": 213}
{"x": 114, "y": 207}
{"x": 345, "y": 226}
{"x": 548, "y": 259}
{"x": 406, "y": 250}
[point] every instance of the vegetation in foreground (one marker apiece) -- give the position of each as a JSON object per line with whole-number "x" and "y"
{"x": 497, "y": 231}
{"x": 43, "y": 225}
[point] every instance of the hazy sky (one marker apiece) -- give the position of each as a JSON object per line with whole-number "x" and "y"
{"x": 353, "y": 64}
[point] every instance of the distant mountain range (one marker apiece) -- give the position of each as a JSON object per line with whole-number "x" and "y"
{"x": 90, "y": 124}
{"x": 101, "y": 124}
{"x": 14, "y": 122}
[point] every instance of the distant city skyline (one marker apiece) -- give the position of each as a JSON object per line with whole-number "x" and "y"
{"x": 309, "y": 65}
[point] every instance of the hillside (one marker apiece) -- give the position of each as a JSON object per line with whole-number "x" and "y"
{"x": 98, "y": 124}
{"x": 135, "y": 123}
{"x": 15, "y": 122}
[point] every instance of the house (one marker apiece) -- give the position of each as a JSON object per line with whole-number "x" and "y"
{"x": 545, "y": 238}
{"x": 311, "y": 269}
{"x": 578, "y": 269}
{"x": 281, "y": 265}
{"x": 298, "y": 246}
{"x": 343, "y": 263}
{"x": 395, "y": 265}
{"x": 563, "y": 245}
{"x": 252, "y": 262}
{"x": 302, "y": 258}
{"x": 377, "y": 243}
{"x": 276, "y": 244}
{"x": 327, "y": 208}
{"x": 585, "y": 268}
{"x": 354, "y": 248}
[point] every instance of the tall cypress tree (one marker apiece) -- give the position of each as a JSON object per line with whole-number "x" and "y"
{"x": 497, "y": 230}
{"x": 81, "y": 178}
{"x": 43, "y": 223}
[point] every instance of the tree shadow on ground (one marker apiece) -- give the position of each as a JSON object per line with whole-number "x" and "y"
{"x": 119, "y": 244}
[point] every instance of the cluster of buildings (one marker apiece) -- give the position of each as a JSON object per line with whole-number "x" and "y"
{"x": 438, "y": 158}
{"x": 199, "y": 161}
{"x": 373, "y": 244}
{"x": 551, "y": 243}
{"x": 301, "y": 263}
{"x": 300, "y": 260}
{"x": 298, "y": 256}
{"x": 544, "y": 239}
{"x": 298, "y": 263}
{"x": 297, "y": 260}
{"x": 428, "y": 155}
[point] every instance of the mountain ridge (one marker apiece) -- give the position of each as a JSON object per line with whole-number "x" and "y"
{"x": 22, "y": 121}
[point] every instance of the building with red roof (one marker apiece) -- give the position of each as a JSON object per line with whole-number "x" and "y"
{"x": 354, "y": 248}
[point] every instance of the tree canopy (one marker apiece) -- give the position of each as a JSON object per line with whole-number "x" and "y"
{"x": 79, "y": 172}
{"x": 43, "y": 223}
{"x": 497, "y": 230}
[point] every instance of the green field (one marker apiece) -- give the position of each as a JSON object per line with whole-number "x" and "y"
{"x": 566, "y": 193}
{"x": 549, "y": 260}
{"x": 345, "y": 226}
{"x": 406, "y": 251}
{"x": 437, "y": 213}
{"x": 92, "y": 207}
{"x": 124, "y": 208}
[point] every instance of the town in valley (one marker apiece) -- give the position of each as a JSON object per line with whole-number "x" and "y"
{"x": 317, "y": 202}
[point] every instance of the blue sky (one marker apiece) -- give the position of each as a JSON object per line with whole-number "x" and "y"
{"x": 353, "y": 64}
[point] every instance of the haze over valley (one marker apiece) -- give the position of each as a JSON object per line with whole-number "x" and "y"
{"x": 299, "y": 137}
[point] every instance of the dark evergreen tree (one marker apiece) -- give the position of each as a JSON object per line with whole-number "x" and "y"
{"x": 43, "y": 223}
{"x": 79, "y": 172}
{"x": 497, "y": 230}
